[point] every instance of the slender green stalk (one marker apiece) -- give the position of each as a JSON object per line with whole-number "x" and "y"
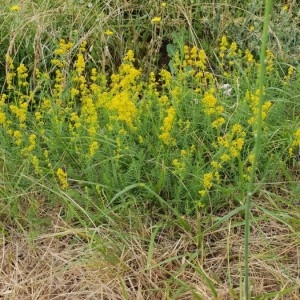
{"x": 258, "y": 134}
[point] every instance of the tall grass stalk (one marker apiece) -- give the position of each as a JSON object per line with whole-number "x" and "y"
{"x": 258, "y": 134}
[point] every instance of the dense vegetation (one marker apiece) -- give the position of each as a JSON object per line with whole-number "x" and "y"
{"x": 139, "y": 118}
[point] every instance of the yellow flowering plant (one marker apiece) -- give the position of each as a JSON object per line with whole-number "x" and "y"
{"x": 176, "y": 130}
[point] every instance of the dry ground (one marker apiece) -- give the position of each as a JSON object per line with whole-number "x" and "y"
{"x": 148, "y": 263}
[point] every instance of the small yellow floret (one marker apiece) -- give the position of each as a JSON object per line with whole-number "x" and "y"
{"x": 202, "y": 193}
{"x": 15, "y": 8}
{"x": 156, "y": 20}
{"x": 207, "y": 180}
{"x": 129, "y": 56}
{"x": 218, "y": 123}
{"x": 93, "y": 148}
{"x": 108, "y": 32}
{"x": 285, "y": 8}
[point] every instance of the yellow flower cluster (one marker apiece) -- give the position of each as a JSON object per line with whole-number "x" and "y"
{"x": 89, "y": 116}
{"x": 232, "y": 143}
{"x": 229, "y": 148}
{"x": 193, "y": 65}
{"x": 195, "y": 60}
{"x": 194, "y": 57}
{"x": 3, "y": 110}
{"x": 22, "y": 74}
{"x": 249, "y": 57}
{"x": 74, "y": 124}
{"x": 223, "y": 46}
{"x": 60, "y": 82}
{"x": 32, "y": 144}
{"x": 207, "y": 183}
{"x": 253, "y": 99}
{"x": 79, "y": 79}
{"x": 165, "y": 77}
{"x": 208, "y": 180}
{"x": 180, "y": 164}
{"x": 63, "y": 47}
{"x": 212, "y": 108}
{"x": 218, "y": 122}
{"x": 11, "y": 73}
{"x": 94, "y": 146}
{"x": 168, "y": 122}
{"x": 36, "y": 164}
{"x": 128, "y": 57}
{"x": 124, "y": 106}
{"x": 125, "y": 89}
{"x": 291, "y": 71}
{"x": 231, "y": 56}
{"x": 295, "y": 143}
{"x": 20, "y": 112}
{"x": 269, "y": 61}
{"x": 228, "y": 51}
{"x": 17, "y": 135}
{"x": 80, "y": 64}
{"x": 210, "y": 103}
{"x": 152, "y": 86}
{"x": 232, "y": 52}
{"x": 62, "y": 178}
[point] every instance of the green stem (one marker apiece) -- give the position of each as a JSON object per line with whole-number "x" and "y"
{"x": 258, "y": 134}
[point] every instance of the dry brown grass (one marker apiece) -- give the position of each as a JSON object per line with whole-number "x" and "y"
{"x": 68, "y": 263}
{"x": 110, "y": 263}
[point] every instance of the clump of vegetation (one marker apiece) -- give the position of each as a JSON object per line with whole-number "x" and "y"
{"x": 186, "y": 133}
